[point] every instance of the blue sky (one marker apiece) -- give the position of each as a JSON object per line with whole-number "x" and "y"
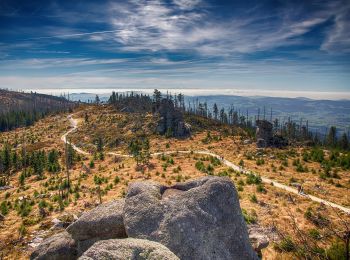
{"x": 278, "y": 46}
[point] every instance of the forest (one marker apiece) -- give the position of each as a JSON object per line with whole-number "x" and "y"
{"x": 292, "y": 131}
{"x": 19, "y": 109}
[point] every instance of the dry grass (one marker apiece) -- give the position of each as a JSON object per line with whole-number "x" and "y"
{"x": 271, "y": 208}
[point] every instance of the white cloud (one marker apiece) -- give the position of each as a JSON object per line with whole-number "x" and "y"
{"x": 187, "y": 4}
{"x": 155, "y": 26}
{"x": 338, "y": 37}
{"x": 188, "y": 25}
{"x": 40, "y": 63}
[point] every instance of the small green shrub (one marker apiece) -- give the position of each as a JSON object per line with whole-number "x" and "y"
{"x": 286, "y": 245}
{"x": 253, "y": 198}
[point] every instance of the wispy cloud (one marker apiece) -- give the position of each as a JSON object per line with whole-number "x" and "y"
{"x": 189, "y": 25}
{"x": 56, "y": 62}
{"x": 338, "y": 37}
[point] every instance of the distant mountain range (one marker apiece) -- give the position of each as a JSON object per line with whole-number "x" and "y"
{"x": 320, "y": 113}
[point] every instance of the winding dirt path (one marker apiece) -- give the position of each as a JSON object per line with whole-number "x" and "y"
{"x": 74, "y": 125}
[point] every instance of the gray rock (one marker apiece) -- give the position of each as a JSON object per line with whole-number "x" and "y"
{"x": 247, "y": 141}
{"x": 83, "y": 245}
{"x": 56, "y": 247}
{"x": 129, "y": 248}
{"x": 103, "y": 222}
{"x": 258, "y": 237}
{"x": 57, "y": 224}
{"x": 5, "y": 187}
{"x": 171, "y": 120}
{"x": 199, "y": 219}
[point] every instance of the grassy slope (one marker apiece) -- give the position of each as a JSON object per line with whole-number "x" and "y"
{"x": 272, "y": 208}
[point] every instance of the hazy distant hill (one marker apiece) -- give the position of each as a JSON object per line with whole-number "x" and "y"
{"x": 320, "y": 113}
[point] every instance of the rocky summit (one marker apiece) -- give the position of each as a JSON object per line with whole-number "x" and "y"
{"x": 198, "y": 219}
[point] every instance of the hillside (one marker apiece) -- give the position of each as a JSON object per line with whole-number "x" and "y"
{"x": 320, "y": 113}
{"x": 37, "y": 200}
{"x": 23, "y": 109}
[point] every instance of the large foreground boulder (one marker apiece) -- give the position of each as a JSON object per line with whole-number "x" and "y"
{"x": 200, "y": 219}
{"x": 56, "y": 247}
{"x": 102, "y": 222}
{"x": 130, "y": 248}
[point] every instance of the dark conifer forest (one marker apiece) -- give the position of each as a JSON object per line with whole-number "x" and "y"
{"x": 19, "y": 109}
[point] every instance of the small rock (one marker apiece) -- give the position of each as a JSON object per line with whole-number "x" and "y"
{"x": 57, "y": 224}
{"x": 6, "y": 187}
{"x": 42, "y": 212}
{"x": 38, "y": 238}
{"x": 258, "y": 238}
{"x": 129, "y": 248}
{"x": 247, "y": 141}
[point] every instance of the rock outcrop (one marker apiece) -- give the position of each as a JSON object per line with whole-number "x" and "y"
{"x": 129, "y": 248}
{"x": 264, "y": 133}
{"x": 265, "y": 136}
{"x": 200, "y": 219}
{"x": 171, "y": 120}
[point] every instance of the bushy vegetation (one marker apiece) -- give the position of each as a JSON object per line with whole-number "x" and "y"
{"x": 253, "y": 179}
{"x": 210, "y": 167}
{"x": 31, "y": 162}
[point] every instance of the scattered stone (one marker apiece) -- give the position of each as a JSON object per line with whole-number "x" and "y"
{"x": 2, "y": 217}
{"x": 201, "y": 220}
{"x": 38, "y": 238}
{"x": 7, "y": 187}
{"x": 103, "y": 222}
{"x": 57, "y": 224}
{"x": 247, "y": 141}
{"x": 20, "y": 198}
{"x": 43, "y": 212}
{"x": 129, "y": 248}
{"x": 258, "y": 238}
{"x": 56, "y": 247}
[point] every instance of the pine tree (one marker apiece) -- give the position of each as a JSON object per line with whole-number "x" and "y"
{"x": 97, "y": 100}
{"x": 157, "y": 95}
{"x": 344, "y": 142}
{"x": 215, "y": 111}
{"x": 332, "y": 137}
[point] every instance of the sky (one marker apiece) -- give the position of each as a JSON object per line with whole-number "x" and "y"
{"x": 288, "y": 48}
